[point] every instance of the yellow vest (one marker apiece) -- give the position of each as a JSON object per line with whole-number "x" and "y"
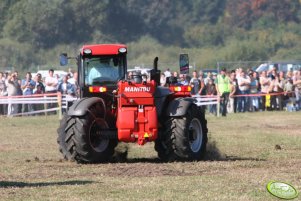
{"x": 223, "y": 84}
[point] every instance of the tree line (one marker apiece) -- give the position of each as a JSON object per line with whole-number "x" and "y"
{"x": 34, "y": 32}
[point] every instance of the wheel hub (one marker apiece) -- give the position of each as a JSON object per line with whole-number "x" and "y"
{"x": 195, "y": 135}
{"x": 96, "y": 141}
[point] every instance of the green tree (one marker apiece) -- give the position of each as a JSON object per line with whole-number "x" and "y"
{"x": 207, "y": 11}
{"x": 37, "y": 24}
{"x": 16, "y": 54}
{"x": 46, "y": 23}
{"x": 5, "y": 5}
{"x": 206, "y": 35}
{"x": 245, "y": 13}
{"x": 245, "y": 51}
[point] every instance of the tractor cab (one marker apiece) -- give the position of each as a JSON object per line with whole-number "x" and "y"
{"x": 100, "y": 67}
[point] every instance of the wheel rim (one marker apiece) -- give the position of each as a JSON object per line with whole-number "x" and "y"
{"x": 96, "y": 141}
{"x": 195, "y": 135}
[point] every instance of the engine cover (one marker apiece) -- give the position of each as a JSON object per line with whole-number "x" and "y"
{"x": 137, "y": 114}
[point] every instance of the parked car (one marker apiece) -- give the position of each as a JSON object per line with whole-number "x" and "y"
{"x": 281, "y": 66}
{"x": 214, "y": 72}
{"x": 59, "y": 73}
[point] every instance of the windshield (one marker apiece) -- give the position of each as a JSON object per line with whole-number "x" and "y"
{"x": 104, "y": 69}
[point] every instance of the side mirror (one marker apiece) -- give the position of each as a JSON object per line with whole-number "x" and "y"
{"x": 63, "y": 59}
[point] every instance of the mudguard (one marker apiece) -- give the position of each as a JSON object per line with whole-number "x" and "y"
{"x": 161, "y": 94}
{"x": 80, "y": 107}
{"x": 179, "y": 106}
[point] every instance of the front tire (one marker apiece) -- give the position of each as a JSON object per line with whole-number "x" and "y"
{"x": 185, "y": 137}
{"x": 83, "y": 139}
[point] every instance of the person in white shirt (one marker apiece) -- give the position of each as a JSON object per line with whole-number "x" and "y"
{"x": 12, "y": 90}
{"x": 265, "y": 83}
{"x": 51, "y": 83}
{"x": 244, "y": 88}
{"x": 167, "y": 74}
{"x": 162, "y": 80}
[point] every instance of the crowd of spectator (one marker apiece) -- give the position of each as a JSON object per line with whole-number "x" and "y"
{"x": 240, "y": 90}
{"x": 12, "y": 85}
{"x": 243, "y": 90}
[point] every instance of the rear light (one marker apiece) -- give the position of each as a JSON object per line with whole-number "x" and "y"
{"x": 97, "y": 89}
{"x": 182, "y": 88}
{"x": 178, "y": 88}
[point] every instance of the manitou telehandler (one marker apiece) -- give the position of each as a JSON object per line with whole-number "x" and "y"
{"x": 114, "y": 107}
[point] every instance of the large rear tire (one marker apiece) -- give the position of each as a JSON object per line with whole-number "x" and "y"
{"x": 185, "y": 137}
{"x": 61, "y": 139}
{"x": 83, "y": 137}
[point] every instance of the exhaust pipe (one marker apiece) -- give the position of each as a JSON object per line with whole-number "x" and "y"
{"x": 155, "y": 73}
{"x": 156, "y": 64}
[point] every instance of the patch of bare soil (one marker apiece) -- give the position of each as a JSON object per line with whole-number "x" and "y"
{"x": 123, "y": 166}
{"x": 145, "y": 170}
{"x": 153, "y": 167}
{"x": 5, "y": 147}
{"x": 282, "y": 127}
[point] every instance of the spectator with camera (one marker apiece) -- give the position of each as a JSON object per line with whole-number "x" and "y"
{"x": 27, "y": 86}
{"x": 12, "y": 90}
{"x": 39, "y": 89}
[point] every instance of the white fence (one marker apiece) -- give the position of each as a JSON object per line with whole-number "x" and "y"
{"x": 61, "y": 102}
{"x": 44, "y": 100}
{"x": 208, "y": 100}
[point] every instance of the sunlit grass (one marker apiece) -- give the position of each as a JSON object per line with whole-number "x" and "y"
{"x": 241, "y": 160}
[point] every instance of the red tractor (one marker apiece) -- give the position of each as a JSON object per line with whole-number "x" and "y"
{"x": 116, "y": 108}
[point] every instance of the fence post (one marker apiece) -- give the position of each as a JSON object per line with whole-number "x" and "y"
{"x": 45, "y": 104}
{"x": 59, "y": 101}
{"x": 218, "y": 105}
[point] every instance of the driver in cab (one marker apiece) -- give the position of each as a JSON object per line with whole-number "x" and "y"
{"x": 103, "y": 71}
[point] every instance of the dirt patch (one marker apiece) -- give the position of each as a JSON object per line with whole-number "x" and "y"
{"x": 281, "y": 127}
{"x": 144, "y": 170}
{"x": 5, "y": 147}
{"x": 153, "y": 167}
{"x": 292, "y": 128}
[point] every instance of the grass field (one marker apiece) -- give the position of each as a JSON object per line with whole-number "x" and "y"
{"x": 246, "y": 151}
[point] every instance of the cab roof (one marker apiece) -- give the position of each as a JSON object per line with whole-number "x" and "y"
{"x": 103, "y": 49}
